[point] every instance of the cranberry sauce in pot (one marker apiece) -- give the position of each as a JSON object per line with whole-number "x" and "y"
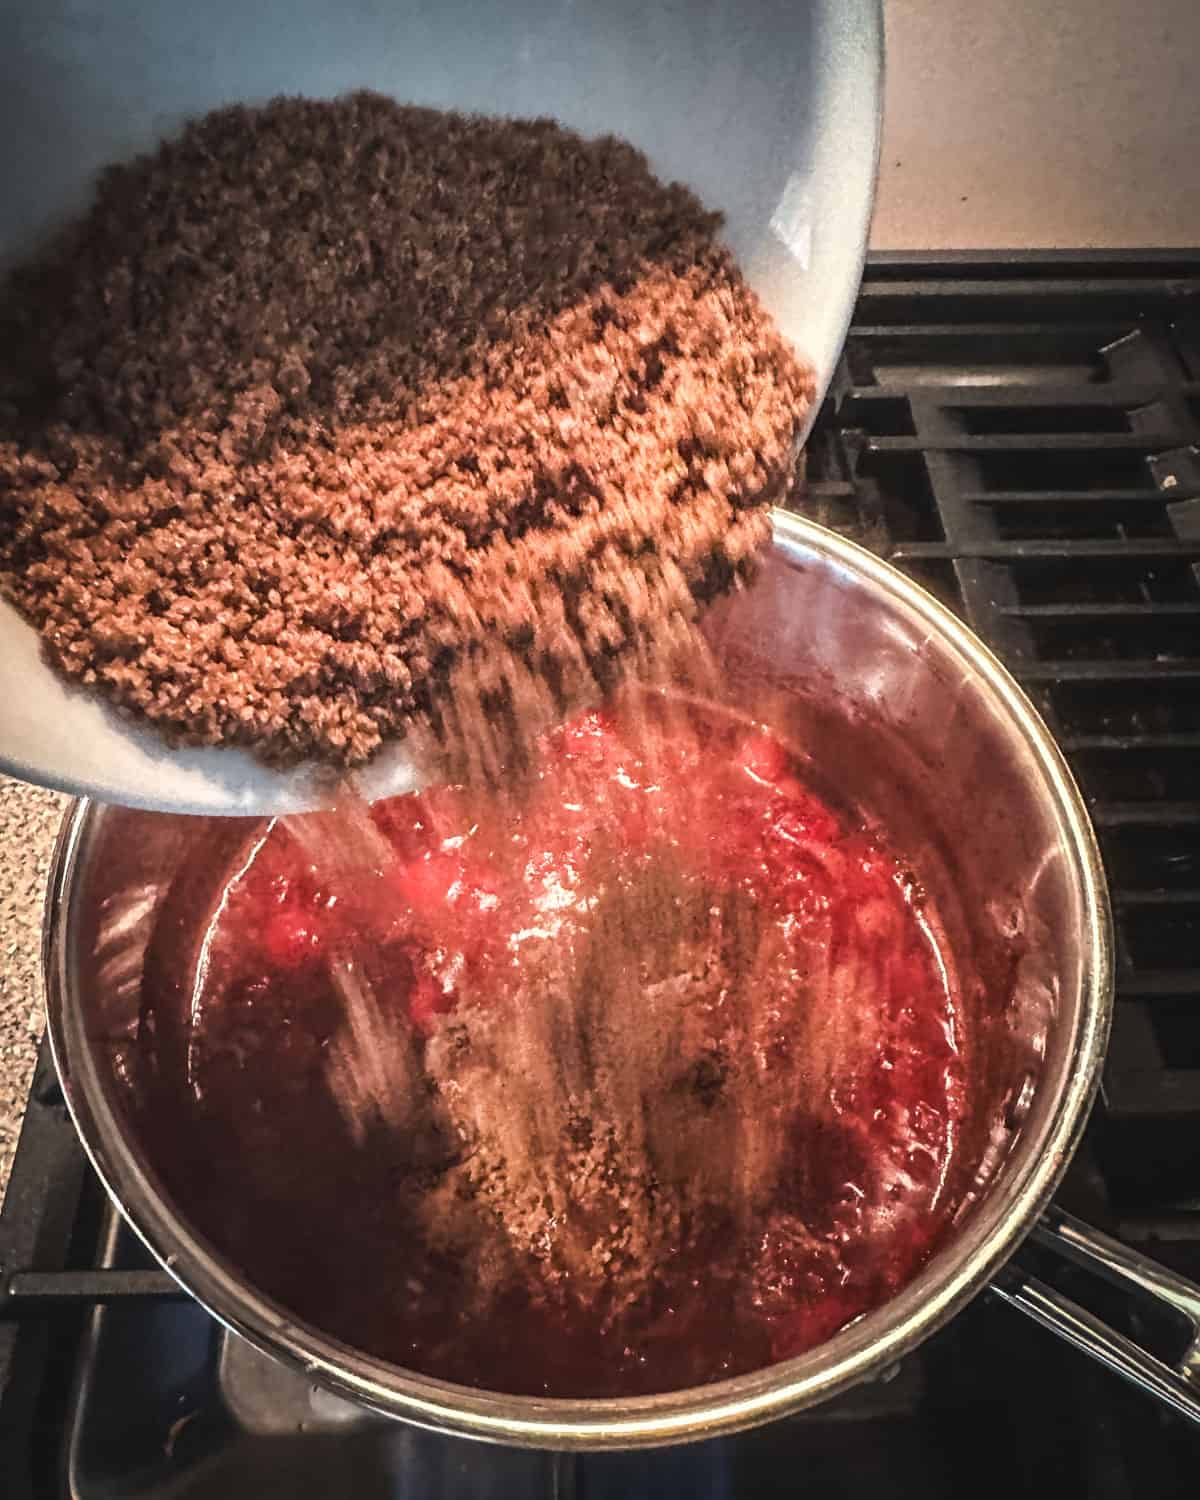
{"x": 652, "y": 1074}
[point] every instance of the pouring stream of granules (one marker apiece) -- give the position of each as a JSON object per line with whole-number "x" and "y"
{"x": 649, "y": 1071}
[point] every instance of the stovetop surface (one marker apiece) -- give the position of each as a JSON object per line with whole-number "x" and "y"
{"x": 1022, "y": 435}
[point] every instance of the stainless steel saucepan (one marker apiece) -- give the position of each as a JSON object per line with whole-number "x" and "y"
{"x": 903, "y": 712}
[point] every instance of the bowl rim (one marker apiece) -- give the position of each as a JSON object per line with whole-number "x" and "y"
{"x": 989, "y": 1236}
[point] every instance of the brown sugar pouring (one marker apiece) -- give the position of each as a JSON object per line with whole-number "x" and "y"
{"x": 329, "y": 418}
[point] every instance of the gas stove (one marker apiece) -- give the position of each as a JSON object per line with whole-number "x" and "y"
{"x": 1022, "y": 435}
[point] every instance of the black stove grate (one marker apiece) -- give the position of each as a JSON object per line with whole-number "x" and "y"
{"x": 1022, "y": 435}
{"x": 1027, "y": 437}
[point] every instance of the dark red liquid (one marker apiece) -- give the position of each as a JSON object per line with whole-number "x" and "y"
{"x": 651, "y": 1077}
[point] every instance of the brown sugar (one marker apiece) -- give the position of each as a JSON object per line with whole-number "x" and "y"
{"x": 326, "y": 408}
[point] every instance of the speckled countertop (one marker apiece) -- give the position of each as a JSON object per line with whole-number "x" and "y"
{"x": 29, "y": 820}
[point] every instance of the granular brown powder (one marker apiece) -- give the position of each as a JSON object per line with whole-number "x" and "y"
{"x": 330, "y": 415}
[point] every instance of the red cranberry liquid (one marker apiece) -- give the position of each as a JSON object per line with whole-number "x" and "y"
{"x": 649, "y": 1077}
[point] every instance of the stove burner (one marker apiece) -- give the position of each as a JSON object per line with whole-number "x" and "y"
{"x": 1022, "y": 435}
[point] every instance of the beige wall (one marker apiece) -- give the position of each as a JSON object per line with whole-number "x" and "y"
{"x": 1030, "y": 122}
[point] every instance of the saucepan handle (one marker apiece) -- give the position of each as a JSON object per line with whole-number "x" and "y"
{"x": 1179, "y": 1384}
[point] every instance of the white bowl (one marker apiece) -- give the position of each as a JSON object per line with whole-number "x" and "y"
{"x": 769, "y": 109}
